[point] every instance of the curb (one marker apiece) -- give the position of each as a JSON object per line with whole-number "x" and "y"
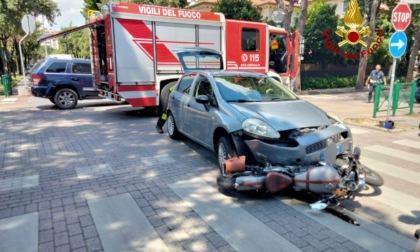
{"x": 331, "y": 91}
{"x": 400, "y": 127}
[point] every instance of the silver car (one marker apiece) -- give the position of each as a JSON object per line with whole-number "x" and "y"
{"x": 240, "y": 113}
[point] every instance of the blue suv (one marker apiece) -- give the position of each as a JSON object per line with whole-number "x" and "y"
{"x": 63, "y": 81}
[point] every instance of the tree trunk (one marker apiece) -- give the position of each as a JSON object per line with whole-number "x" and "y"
{"x": 414, "y": 49}
{"x": 4, "y": 56}
{"x": 301, "y": 28}
{"x": 287, "y": 21}
{"x": 361, "y": 72}
{"x": 16, "y": 46}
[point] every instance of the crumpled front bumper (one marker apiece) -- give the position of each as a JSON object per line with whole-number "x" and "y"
{"x": 310, "y": 148}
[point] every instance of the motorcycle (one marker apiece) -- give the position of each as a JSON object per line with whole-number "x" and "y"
{"x": 336, "y": 178}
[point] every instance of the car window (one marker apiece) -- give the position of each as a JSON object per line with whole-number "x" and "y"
{"x": 36, "y": 66}
{"x": 81, "y": 68}
{"x": 252, "y": 89}
{"x": 203, "y": 87}
{"x": 185, "y": 84}
{"x": 57, "y": 67}
{"x": 250, "y": 40}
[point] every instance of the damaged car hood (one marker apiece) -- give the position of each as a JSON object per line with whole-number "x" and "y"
{"x": 285, "y": 115}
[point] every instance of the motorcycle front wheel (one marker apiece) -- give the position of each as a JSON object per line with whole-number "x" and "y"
{"x": 372, "y": 178}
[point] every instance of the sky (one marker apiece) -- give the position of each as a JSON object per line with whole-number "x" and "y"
{"x": 70, "y": 12}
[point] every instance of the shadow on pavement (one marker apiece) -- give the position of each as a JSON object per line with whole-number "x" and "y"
{"x": 411, "y": 219}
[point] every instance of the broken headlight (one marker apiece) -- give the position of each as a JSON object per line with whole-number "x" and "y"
{"x": 259, "y": 129}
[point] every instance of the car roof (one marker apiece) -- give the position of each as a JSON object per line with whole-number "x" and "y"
{"x": 68, "y": 60}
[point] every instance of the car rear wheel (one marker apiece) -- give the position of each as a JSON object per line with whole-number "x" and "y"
{"x": 65, "y": 98}
{"x": 172, "y": 129}
{"x": 225, "y": 151}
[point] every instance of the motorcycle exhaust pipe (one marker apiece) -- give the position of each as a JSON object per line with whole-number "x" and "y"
{"x": 249, "y": 183}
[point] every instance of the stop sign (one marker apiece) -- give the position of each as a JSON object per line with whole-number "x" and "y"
{"x": 401, "y": 17}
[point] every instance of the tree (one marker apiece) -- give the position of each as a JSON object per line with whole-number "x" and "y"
{"x": 288, "y": 11}
{"x": 238, "y": 9}
{"x": 369, "y": 16}
{"x": 321, "y": 21}
{"x": 301, "y": 29}
{"x": 11, "y": 13}
{"x": 90, "y": 5}
{"x": 414, "y": 31}
{"x": 77, "y": 43}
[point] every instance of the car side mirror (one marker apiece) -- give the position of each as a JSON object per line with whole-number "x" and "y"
{"x": 202, "y": 99}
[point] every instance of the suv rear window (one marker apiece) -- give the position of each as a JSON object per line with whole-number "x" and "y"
{"x": 81, "y": 68}
{"x": 36, "y": 66}
{"x": 57, "y": 67}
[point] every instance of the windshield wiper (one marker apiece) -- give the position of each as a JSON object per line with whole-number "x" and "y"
{"x": 283, "y": 99}
{"x": 242, "y": 100}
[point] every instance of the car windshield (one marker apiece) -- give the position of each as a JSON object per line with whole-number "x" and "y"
{"x": 252, "y": 89}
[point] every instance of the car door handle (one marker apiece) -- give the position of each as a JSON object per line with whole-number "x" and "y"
{"x": 74, "y": 78}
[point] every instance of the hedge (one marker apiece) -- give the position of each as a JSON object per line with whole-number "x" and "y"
{"x": 309, "y": 83}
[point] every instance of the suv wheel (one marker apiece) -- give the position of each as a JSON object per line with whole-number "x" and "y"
{"x": 65, "y": 98}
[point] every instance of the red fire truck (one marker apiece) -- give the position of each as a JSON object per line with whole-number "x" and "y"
{"x": 135, "y": 48}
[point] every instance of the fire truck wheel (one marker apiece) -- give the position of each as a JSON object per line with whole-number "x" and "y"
{"x": 172, "y": 129}
{"x": 164, "y": 96}
{"x": 65, "y": 98}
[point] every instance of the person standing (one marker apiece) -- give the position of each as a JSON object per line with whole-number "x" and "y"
{"x": 164, "y": 95}
{"x": 375, "y": 77}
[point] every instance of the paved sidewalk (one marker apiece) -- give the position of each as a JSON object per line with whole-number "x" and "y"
{"x": 354, "y": 105}
{"x": 99, "y": 178}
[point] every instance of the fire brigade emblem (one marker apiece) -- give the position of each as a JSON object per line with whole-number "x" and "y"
{"x": 353, "y": 19}
{"x": 244, "y": 57}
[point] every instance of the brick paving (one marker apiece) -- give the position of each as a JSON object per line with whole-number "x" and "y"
{"x": 82, "y": 154}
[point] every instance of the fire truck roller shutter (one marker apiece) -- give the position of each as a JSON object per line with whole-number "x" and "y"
{"x": 134, "y": 51}
{"x": 210, "y": 37}
{"x": 170, "y": 36}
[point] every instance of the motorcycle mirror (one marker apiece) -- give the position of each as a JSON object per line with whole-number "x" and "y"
{"x": 356, "y": 153}
{"x": 330, "y": 153}
{"x": 318, "y": 206}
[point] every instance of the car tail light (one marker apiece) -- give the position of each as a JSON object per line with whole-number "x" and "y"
{"x": 36, "y": 79}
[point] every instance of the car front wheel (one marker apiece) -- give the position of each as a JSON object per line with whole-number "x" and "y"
{"x": 65, "y": 98}
{"x": 225, "y": 151}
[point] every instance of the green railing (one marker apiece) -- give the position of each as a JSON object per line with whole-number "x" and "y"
{"x": 403, "y": 97}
